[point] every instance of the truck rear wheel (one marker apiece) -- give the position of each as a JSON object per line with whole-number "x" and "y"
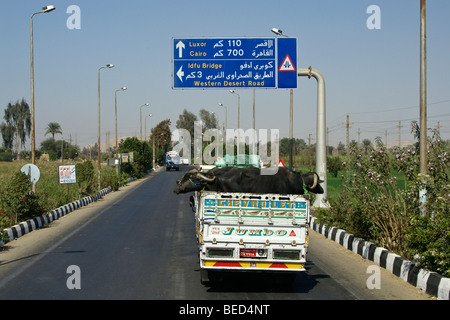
{"x": 204, "y": 277}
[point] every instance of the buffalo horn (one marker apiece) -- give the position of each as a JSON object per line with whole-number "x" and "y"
{"x": 203, "y": 177}
{"x": 315, "y": 181}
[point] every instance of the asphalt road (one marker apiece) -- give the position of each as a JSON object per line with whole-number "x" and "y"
{"x": 139, "y": 243}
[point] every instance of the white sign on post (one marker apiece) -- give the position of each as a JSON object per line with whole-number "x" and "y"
{"x": 33, "y": 171}
{"x": 67, "y": 174}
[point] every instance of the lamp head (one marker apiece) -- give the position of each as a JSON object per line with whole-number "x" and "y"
{"x": 48, "y": 8}
{"x": 277, "y": 31}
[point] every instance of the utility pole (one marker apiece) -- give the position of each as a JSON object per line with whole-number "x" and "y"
{"x": 347, "y": 125}
{"x": 359, "y": 137}
{"x": 385, "y": 138}
{"x": 399, "y": 134}
{"x": 423, "y": 103}
{"x": 423, "y": 89}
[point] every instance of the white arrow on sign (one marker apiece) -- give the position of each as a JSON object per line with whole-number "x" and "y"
{"x": 180, "y": 46}
{"x": 180, "y": 73}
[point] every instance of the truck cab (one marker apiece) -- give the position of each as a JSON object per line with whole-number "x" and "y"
{"x": 172, "y": 161}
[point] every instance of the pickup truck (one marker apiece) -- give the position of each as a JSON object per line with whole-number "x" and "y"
{"x": 250, "y": 232}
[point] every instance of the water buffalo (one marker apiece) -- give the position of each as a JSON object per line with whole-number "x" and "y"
{"x": 248, "y": 180}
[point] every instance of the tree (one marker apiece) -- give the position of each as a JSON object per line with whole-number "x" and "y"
{"x": 53, "y": 128}
{"x": 366, "y": 145}
{"x": 209, "y": 119}
{"x": 17, "y": 126}
{"x": 186, "y": 121}
{"x": 298, "y": 144}
{"x": 142, "y": 156}
{"x": 162, "y": 135}
{"x": 7, "y": 132}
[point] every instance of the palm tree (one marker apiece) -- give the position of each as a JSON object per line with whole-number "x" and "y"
{"x": 53, "y": 128}
{"x": 366, "y": 145}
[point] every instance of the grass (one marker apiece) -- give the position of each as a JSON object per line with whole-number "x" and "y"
{"x": 334, "y": 184}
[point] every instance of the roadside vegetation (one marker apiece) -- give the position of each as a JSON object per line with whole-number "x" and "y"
{"x": 379, "y": 201}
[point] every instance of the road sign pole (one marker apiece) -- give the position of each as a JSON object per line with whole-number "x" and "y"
{"x": 321, "y": 158}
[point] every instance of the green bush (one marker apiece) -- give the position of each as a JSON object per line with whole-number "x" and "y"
{"x": 334, "y": 164}
{"x": 110, "y": 179}
{"x": 17, "y": 202}
{"x": 6, "y": 156}
{"x": 86, "y": 178}
{"x": 374, "y": 206}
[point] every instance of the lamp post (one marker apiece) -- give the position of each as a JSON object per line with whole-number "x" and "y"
{"x": 226, "y": 120}
{"x": 145, "y": 126}
{"x": 117, "y": 150}
{"x": 239, "y": 111}
{"x": 109, "y": 66}
{"x": 291, "y": 112}
{"x": 140, "y": 117}
{"x": 45, "y": 9}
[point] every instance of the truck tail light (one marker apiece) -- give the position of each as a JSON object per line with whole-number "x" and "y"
{"x": 219, "y": 252}
{"x": 286, "y": 254}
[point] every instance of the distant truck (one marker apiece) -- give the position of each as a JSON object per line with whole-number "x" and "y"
{"x": 172, "y": 161}
{"x": 250, "y": 232}
{"x": 185, "y": 161}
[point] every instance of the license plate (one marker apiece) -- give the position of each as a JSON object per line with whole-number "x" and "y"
{"x": 248, "y": 253}
{"x": 253, "y": 253}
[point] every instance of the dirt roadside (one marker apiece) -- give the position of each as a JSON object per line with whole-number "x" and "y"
{"x": 353, "y": 271}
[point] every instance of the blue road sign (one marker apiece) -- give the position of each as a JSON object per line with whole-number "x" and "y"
{"x": 221, "y": 63}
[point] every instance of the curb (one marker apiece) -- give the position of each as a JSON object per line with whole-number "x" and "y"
{"x": 27, "y": 226}
{"x": 429, "y": 282}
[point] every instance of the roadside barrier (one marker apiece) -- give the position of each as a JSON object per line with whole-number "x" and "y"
{"x": 429, "y": 282}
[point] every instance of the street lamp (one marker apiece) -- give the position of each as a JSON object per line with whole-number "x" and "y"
{"x": 117, "y": 152}
{"x": 239, "y": 111}
{"x": 279, "y": 32}
{"x": 33, "y": 128}
{"x": 145, "y": 127}
{"x": 109, "y": 66}
{"x": 140, "y": 117}
{"x": 291, "y": 113}
{"x": 226, "y": 116}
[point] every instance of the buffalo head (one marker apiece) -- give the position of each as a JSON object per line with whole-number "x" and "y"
{"x": 312, "y": 182}
{"x": 193, "y": 180}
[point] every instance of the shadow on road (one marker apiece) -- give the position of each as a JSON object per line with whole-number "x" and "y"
{"x": 300, "y": 282}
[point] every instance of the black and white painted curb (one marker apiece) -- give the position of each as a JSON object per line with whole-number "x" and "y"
{"x": 25, "y": 227}
{"x": 430, "y": 282}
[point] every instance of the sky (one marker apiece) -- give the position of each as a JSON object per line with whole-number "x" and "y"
{"x": 371, "y": 75}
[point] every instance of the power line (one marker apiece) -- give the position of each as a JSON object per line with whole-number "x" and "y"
{"x": 401, "y": 108}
